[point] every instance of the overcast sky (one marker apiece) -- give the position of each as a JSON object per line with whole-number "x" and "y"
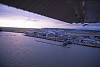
{"x": 13, "y": 17}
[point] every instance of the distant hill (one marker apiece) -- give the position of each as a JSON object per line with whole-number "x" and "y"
{"x": 1, "y": 29}
{"x": 13, "y": 29}
{"x": 21, "y": 30}
{"x": 71, "y": 29}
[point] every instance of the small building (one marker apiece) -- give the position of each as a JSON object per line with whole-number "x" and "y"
{"x": 86, "y": 36}
{"x": 51, "y": 34}
{"x": 98, "y": 37}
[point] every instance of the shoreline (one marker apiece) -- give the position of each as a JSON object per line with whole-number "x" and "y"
{"x": 95, "y": 46}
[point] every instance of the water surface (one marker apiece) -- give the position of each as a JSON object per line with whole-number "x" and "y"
{"x": 17, "y": 50}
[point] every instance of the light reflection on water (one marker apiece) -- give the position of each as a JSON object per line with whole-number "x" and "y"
{"x": 17, "y": 50}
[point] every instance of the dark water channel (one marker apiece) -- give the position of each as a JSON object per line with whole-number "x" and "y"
{"x": 17, "y": 50}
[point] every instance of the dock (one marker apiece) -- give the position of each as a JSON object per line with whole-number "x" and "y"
{"x": 89, "y": 45}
